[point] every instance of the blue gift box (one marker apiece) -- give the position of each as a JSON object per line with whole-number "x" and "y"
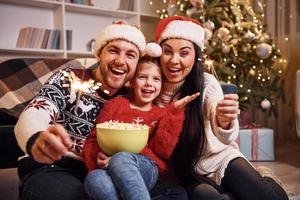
{"x": 257, "y": 144}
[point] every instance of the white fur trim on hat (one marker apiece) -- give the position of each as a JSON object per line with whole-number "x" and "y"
{"x": 153, "y": 50}
{"x": 185, "y": 30}
{"x": 119, "y": 31}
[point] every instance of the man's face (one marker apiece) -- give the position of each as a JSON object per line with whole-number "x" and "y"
{"x": 118, "y": 61}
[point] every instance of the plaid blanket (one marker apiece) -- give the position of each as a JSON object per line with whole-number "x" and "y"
{"x": 21, "y": 79}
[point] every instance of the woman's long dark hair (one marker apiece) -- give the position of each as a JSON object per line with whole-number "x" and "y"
{"x": 192, "y": 140}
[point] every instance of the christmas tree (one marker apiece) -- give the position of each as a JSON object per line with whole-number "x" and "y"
{"x": 238, "y": 48}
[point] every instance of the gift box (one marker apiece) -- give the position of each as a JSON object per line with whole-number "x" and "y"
{"x": 257, "y": 144}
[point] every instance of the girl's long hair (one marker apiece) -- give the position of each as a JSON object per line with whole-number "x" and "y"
{"x": 192, "y": 141}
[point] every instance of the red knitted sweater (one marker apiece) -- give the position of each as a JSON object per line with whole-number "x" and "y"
{"x": 165, "y": 127}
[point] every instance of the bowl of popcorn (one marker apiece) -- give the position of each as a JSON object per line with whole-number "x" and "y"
{"x": 115, "y": 137}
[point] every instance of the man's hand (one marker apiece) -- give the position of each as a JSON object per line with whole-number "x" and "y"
{"x": 181, "y": 103}
{"x": 227, "y": 110}
{"x": 51, "y": 145}
{"x": 102, "y": 160}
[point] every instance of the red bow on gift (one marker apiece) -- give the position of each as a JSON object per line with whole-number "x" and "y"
{"x": 252, "y": 125}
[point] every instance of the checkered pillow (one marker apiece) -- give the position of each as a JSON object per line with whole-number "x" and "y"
{"x": 21, "y": 79}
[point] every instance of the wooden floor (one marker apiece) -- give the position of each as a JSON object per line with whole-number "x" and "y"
{"x": 286, "y": 166}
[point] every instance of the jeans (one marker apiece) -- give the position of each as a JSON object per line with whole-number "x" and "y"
{"x": 241, "y": 181}
{"x": 129, "y": 176}
{"x": 60, "y": 181}
{"x": 64, "y": 181}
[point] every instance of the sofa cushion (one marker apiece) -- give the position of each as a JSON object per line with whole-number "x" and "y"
{"x": 9, "y": 149}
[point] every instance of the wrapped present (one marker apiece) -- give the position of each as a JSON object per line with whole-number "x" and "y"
{"x": 257, "y": 144}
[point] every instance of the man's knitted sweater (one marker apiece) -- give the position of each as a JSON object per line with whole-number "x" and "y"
{"x": 221, "y": 147}
{"x": 57, "y": 103}
{"x": 165, "y": 128}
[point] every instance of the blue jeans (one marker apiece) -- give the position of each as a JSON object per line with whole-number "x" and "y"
{"x": 64, "y": 181}
{"x": 129, "y": 176}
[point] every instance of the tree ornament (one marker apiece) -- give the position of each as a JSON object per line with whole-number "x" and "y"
{"x": 265, "y": 104}
{"x": 263, "y": 50}
{"x": 191, "y": 11}
{"x": 260, "y": 6}
{"x": 207, "y": 34}
{"x": 224, "y": 34}
{"x": 249, "y": 36}
{"x": 210, "y": 25}
{"x": 197, "y": 3}
{"x": 172, "y": 8}
{"x": 226, "y": 49}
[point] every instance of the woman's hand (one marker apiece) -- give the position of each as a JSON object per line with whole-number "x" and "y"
{"x": 102, "y": 160}
{"x": 227, "y": 110}
{"x": 181, "y": 103}
{"x": 51, "y": 144}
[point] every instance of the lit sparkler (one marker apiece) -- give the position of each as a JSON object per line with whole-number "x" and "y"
{"x": 79, "y": 86}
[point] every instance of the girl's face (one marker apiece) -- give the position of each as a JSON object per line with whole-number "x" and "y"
{"x": 177, "y": 59}
{"x": 146, "y": 84}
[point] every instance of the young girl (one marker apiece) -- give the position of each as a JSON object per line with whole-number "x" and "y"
{"x": 126, "y": 175}
{"x": 206, "y": 158}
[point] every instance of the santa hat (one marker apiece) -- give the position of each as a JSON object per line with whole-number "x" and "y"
{"x": 120, "y": 30}
{"x": 180, "y": 27}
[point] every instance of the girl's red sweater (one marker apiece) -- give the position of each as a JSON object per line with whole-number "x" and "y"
{"x": 165, "y": 127}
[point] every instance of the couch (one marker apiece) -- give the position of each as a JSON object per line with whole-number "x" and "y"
{"x": 21, "y": 79}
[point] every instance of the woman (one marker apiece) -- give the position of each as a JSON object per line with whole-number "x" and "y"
{"x": 206, "y": 159}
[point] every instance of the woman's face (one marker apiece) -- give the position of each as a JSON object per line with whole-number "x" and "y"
{"x": 177, "y": 59}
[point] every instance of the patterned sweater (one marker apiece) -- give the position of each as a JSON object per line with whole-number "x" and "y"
{"x": 221, "y": 147}
{"x": 58, "y": 103}
{"x": 165, "y": 128}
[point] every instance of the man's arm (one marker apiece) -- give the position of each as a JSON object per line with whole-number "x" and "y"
{"x": 34, "y": 132}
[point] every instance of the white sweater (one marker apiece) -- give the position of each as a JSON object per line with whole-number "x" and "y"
{"x": 221, "y": 146}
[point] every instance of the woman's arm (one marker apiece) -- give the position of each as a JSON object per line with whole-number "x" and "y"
{"x": 221, "y": 112}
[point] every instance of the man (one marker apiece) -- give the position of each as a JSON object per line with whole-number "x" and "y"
{"x": 53, "y": 127}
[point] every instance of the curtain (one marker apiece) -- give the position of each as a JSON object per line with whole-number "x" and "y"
{"x": 282, "y": 18}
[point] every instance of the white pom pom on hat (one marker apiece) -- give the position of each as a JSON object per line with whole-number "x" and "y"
{"x": 180, "y": 27}
{"x": 153, "y": 50}
{"x": 119, "y": 30}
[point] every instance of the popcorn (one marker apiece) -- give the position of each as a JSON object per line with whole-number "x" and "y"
{"x": 121, "y": 125}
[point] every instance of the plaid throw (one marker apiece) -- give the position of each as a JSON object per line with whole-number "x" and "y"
{"x": 21, "y": 79}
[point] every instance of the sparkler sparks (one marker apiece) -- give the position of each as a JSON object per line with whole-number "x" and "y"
{"x": 79, "y": 86}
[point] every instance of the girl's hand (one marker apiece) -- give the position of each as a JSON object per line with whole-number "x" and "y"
{"x": 181, "y": 103}
{"x": 102, "y": 160}
{"x": 227, "y": 110}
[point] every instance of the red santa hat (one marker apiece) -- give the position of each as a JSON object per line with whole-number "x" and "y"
{"x": 120, "y": 30}
{"x": 180, "y": 27}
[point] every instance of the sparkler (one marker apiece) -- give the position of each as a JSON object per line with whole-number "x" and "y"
{"x": 78, "y": 86}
